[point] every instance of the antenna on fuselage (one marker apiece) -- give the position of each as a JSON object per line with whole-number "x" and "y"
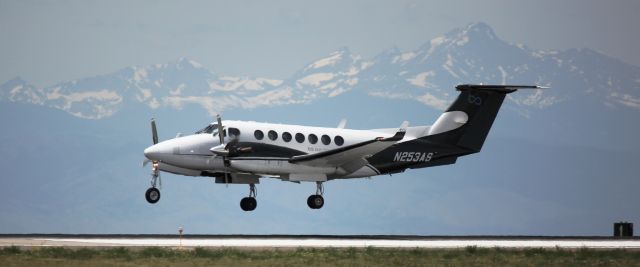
{"x": 342, "y": 123}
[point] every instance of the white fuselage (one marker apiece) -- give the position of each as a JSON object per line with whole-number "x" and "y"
{"x": 191, "y": 155}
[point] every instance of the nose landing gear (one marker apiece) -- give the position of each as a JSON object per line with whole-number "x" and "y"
{"x": 153, "y": 194}
{"x": 316, "y": 201}
{"x": 250, "y": 203}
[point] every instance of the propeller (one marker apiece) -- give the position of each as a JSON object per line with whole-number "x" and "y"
{"x": 224, "y": 152}
{"x": 155, "y": 171}
{"x": 220, "y": 129}
{"x": 230, "y": 149}
{"x": 154, "y": 131}
{"x": 154, "y": 139}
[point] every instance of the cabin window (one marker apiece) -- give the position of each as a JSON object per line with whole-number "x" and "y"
{"x": 234, "y": 132}
{"x": 325, "y": 139}
{"x": 258, "y": 135}
{"x": 300, "y": 137}
{"x": 273, "y": 135}
{"x": 313, "y": 139}
{"x": 286, "y": 136}
{"x": 338, "y": 140}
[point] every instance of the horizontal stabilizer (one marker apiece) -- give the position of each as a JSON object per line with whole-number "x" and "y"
{"x": 496, "y": 88}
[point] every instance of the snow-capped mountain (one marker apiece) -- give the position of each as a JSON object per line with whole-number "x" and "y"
{"x": 329, "y": 76}
{"x": 473, "y": 54}
{"x": 162, "y": 85}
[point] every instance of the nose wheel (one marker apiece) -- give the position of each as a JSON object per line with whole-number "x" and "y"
{"x": 250, "y": 203}
{"x": 316, "y": 201}
{"x": 152, "y": 195}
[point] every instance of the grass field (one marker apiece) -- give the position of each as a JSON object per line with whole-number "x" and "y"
{"x": 158, "y": 256}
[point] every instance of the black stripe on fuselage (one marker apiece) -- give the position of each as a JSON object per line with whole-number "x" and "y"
{"x": 330, "y": 152}
{"x": 268, "y": 150}
{"x": 443, "y": 152}
{"x": 258, "y": 158}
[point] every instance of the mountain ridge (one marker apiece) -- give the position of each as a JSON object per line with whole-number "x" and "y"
{"x": 471, "y": 54}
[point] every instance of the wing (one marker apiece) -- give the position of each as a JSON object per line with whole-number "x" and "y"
{"x": 351, "y": 157}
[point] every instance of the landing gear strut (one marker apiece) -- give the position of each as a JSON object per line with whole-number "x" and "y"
{"x": 153, "y": 194}
{"x": 316, "y": 201}
{"x": 249, "y": 203}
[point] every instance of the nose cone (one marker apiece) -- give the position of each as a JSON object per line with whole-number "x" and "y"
{"x": 154, "y": 152}
{"x": 150, "y": 152}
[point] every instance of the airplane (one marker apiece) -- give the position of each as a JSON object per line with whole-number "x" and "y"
{"x": 242, "y": 152}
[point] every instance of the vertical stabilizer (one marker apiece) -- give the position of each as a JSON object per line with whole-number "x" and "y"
{"x": 466, "y": 123}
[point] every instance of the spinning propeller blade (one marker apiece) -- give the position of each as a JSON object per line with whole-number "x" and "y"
{"x": 220, "y": 129}
{"x": 154, "y": 131}
{"x": 155, "y": 171}
{"x": 221, "y": 136}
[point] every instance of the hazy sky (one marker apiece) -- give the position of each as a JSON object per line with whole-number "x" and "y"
{"x": 51, "y": 41}
{"x": 551, "y": 171}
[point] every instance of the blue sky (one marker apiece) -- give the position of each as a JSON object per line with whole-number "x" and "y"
{"x": 51, "y": 41}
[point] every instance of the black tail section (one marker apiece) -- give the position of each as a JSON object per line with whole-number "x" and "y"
{"x": 481, "y": 104}
{"x": 460, "y": 131}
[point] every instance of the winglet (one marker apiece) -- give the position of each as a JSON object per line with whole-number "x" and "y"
{"x": 399, "y": 134}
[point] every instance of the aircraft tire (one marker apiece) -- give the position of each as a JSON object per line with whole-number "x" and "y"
{"x": 309, "y": 201}
{"x": 248, "y": 203}
{"x": 315, "y": 201}
{"x": 152, "y": 195}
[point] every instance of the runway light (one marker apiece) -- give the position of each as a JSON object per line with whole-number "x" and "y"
{"x": 180, "y": 230}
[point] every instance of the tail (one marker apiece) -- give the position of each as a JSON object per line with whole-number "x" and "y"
{"x": 466, "y": 123}
{"x": 459, "y": 131}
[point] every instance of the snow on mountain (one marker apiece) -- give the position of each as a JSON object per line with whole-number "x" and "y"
{"x": 472, "y": 54}
{"x": 329, "y": 76}
{"x": 161, "y": 85}
{"x": 19, "y": 90}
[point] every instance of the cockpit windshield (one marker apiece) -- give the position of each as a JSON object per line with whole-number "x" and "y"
{"x": 211, "y": 128}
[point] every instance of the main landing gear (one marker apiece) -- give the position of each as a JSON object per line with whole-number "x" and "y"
{"x": 153, "y": 194}
{"x": 249, "y": 203}
{"x": 316, "y": 201}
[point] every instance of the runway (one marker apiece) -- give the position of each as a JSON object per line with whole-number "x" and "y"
{"x": 442, "y": 242}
